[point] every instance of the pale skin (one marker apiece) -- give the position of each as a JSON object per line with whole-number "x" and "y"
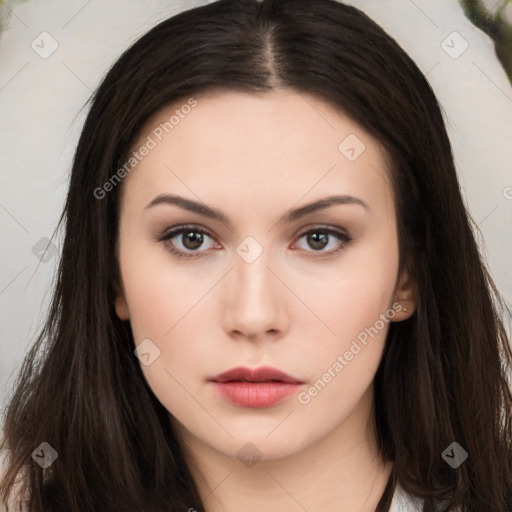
{"x": 296, "y": 307}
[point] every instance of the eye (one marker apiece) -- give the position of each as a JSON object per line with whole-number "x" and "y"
{"x": 191, "y": 238}
{"x": 321, "y": 237}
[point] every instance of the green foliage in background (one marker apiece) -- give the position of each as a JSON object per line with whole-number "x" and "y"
{"x": 6, "y": 11}
{"x": 496, "y": 26}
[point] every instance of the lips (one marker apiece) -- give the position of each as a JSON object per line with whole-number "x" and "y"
{"x": 262, "y": 374}
{"x": 259, "y": 388}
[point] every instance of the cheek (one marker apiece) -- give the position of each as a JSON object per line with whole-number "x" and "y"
{"x": 157, "y": 292}
{"x": 362, "y": 289}
{"x": 167, "y": 306}
{"x": 161, "y": 306}
{"x": 356, "y": 306}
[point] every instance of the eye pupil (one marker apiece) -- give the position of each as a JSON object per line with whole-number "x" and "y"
{"x": 314, "y": 239}
{"x": 194, "y": 237}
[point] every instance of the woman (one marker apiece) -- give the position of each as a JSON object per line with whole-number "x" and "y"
{"x": 270, "y": 295}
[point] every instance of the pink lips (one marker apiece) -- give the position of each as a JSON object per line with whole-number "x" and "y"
{"x": 258, "y": 388}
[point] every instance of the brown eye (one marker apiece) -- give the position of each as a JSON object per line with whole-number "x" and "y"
{"x": 319, "y": 238}
{"x": 192, "y": 240}
{"x": 187, "y": 241}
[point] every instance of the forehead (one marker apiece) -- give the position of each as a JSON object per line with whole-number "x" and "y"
{"x": 259, "y": 145}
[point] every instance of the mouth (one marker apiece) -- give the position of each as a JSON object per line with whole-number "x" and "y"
{"x": 259, "y": 388}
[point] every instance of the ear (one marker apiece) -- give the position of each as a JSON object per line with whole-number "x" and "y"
{"x": 405, "y": 297}
{"x": 121, "y": 306}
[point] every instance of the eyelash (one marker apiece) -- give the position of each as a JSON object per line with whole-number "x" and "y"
{"x": 169, "y": 234}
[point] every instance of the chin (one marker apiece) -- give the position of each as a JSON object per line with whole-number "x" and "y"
{"x": 252, "y": 445}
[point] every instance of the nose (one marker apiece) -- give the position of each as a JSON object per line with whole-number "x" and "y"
{"x": 255, "y": 300}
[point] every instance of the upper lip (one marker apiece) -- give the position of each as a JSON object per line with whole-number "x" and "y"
{"x": 261, "y": 374}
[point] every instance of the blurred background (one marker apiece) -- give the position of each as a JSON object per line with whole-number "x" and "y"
{"x": 53, "y": 53}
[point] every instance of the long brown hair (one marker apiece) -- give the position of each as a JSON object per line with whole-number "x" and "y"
{"x": 443, "y": 375}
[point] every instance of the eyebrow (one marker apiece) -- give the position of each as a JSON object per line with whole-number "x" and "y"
{"x": 290, "y": 216}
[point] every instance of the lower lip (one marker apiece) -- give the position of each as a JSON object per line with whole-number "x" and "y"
{"x": 255, "y": 394}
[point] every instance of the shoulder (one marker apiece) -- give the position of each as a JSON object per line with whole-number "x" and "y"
{"x": 404, "y": 502}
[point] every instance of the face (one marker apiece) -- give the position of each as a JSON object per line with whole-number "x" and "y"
{"x": 256, "y": 277}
